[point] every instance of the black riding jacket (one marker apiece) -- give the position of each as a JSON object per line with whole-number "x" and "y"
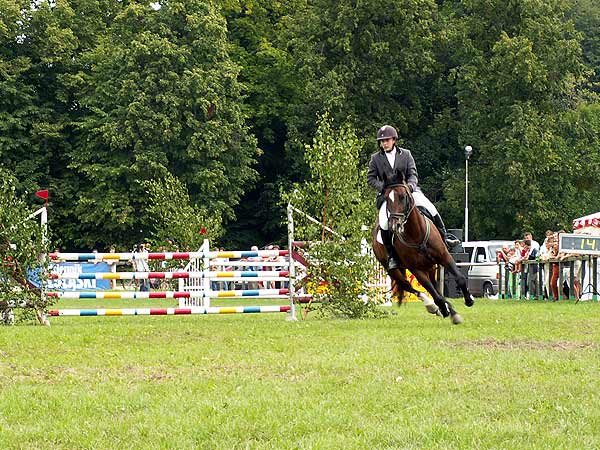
{"x": 379, "y": 164}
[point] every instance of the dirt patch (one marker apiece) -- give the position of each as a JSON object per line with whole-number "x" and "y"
{"x": 523, "y": 344}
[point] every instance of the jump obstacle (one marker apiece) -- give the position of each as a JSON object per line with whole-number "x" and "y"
{"x": 194, "y": 291}
{"x": 194, "y": 281}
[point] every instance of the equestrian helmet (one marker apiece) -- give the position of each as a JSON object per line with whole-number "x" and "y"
{"x": 387, "y": 132}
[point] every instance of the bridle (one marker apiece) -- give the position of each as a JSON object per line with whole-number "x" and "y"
{"x": 402, "y": 217}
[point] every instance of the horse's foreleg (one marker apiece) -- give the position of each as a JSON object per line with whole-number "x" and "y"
{"x": 454, "y": 316}
{"x": 429, "y": 304}
{"x": 461, "y": 283}
{"x": 439, "y": 299}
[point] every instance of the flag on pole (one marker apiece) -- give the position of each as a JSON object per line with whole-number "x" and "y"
{"x": 43, "y": 194}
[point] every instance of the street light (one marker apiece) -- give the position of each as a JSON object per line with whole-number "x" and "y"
{"x": 468, "y": 153}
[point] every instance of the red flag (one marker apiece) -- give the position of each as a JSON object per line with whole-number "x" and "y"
{"x": 43, "y": 194}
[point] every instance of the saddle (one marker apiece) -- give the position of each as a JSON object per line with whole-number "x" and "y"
{"x": 425, "y": 212}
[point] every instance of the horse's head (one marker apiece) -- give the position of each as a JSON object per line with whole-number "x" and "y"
{"x": 399, "y": 201}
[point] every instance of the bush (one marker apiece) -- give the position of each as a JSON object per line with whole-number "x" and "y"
{"x": 23, "y": 250}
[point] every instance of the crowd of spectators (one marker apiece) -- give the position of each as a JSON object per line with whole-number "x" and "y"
{"x": 256, "y": 266}
{"x": 220, "y": 264}
{"x": 526, "y": 258}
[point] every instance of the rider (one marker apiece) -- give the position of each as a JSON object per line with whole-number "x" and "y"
{"x": 386, "y": 160}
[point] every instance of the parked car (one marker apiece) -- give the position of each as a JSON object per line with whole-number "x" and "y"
{"x": 483, "y": 270}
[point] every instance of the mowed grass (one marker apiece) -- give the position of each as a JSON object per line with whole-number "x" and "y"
{"x": 515, "y": 375}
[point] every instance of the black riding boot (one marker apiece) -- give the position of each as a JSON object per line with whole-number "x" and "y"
{"x": 386, "y": 237}
{"x": 449, "y": 239}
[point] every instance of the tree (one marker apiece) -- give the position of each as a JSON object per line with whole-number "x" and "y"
{"x": 257, "y": 31}
{"x": 41, "y": 47}
{"x": 516, "y": 69}
{"x": 336, "y": 194}
{"x": 174, "y": 217}
{"x": 372, "y": 62}
{"x": 35, "y": 51}
{"x": 161, "y": 96}
{"x": 586, "y": 17}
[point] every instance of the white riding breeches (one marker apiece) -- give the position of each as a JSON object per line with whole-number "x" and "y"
{"x": 420, "y": 200}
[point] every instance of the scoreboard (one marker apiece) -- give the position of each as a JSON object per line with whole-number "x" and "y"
{"x": 579, "y": 243}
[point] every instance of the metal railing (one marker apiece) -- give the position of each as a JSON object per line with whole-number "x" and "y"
{"x": 572, "y": 278}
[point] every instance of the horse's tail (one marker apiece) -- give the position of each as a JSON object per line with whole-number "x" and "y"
{"x": 397, "y": 291}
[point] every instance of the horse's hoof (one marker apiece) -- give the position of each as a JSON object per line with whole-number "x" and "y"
{"x": 470, "y": 301}
{"x": 433, "y": 309}
{"x": 457, "y": 319}
{"x": 444, "y": 314}
{"x": 429, "y": 304}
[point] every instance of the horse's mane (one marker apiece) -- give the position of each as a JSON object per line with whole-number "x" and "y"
{"x": 396, "y": 179}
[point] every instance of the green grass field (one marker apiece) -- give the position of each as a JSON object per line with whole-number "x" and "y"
{"x": 516, "y": 375}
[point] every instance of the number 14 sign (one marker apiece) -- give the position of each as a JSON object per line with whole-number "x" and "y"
{"x": 579, "y": 243}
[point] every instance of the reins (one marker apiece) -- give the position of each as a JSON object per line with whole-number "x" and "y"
{"x": 422, "y": 247}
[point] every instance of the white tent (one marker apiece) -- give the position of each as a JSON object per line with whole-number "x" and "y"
{"x": 589, "y": 224}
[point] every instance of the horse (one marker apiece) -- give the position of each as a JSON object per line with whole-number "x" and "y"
{"x": 420, "y": 248}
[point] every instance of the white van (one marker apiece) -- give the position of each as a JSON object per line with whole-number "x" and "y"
{"x": 483, "y": 270}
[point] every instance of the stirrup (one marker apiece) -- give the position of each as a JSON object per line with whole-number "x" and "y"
{"x": 451, "y": 240}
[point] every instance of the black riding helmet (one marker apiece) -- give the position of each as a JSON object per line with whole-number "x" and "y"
{"x": 386, "y": 132}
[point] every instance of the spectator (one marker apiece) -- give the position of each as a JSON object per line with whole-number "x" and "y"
{"x": 220, "y": 266}
{"x": 516, "y": 256}
{"x": 502, "y": 255}
{"x": 552, "y": 255}
{"x": 276, "y": 258}
{"x": 141, "y": 265}
{"x": 577, "y": 269}
{"x": 564, "y": 266}
{"x": 546, "y": 269}
{"x": 534, "y": 244}
{"x": 254, "y": 284}
{"x": 525, "y": 250}
{"x": 112, "y": 265}
{"x": 532, "y": 285}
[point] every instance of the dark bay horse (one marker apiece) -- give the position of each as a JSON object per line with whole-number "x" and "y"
{"x": 420, "y": 249}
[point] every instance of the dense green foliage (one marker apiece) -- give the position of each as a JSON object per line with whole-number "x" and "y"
{"x": 99, "y": 96}
{"x": 173, "y": 218}
{"x": 23, "y": 246}
{"x": 336, "y": 197}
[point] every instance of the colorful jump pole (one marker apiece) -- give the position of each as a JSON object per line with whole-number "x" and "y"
{"x": 272, "y": 275}
{"x": 163, "y": 255}
{"x": 267, "y": 293}
{"x": 170, "y": 311}
{"x": 122, "y": 295}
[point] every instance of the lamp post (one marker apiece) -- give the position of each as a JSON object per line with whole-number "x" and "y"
{"x": 468, "y": 153}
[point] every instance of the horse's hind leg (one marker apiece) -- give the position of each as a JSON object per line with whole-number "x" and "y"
{"x": 445, "y": 306}
{"x": 400, "y": 284}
